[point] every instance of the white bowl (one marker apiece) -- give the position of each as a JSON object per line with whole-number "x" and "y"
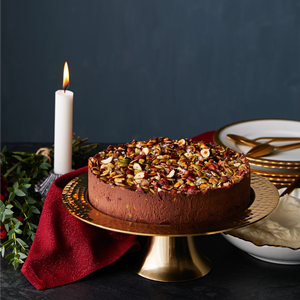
{"x": 274, "y": 254}
{"x": 281, "y": 254}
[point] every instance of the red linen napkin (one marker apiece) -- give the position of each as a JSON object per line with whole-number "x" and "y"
{"x": 66, "y": 249}
{"x": 205, "y": 137}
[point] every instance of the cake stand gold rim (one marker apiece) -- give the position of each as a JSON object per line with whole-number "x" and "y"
{"x": 75, "y": 200}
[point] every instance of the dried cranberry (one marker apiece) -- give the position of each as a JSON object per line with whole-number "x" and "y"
{"x": 192, "y": 190}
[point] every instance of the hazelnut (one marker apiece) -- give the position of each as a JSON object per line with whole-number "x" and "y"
{"x": 205, "y": 153}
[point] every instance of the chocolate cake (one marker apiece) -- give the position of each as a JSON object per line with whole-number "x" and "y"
{"x": 163, "y": 181}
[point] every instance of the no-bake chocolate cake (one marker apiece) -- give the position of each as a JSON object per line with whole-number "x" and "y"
{"x": 163, "y": 181}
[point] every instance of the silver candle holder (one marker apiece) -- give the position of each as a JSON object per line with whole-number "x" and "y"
{"x": 43, "y": 186}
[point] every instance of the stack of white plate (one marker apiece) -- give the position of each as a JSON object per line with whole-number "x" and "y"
{"x": 280, "y": 167}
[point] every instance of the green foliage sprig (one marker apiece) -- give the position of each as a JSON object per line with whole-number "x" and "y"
{"x": 21, "y": 205}
{"x": 20, "y": 212}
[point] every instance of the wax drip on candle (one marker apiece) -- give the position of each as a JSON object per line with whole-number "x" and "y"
{"x": 66, "y": 77}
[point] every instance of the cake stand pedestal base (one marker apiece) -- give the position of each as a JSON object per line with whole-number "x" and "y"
{"x": 171, "y": 259}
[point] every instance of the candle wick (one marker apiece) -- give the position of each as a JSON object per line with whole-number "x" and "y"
{"x": 65, "y": 88}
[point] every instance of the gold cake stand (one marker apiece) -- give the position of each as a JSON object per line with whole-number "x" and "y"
{"x": 170, "y": 254}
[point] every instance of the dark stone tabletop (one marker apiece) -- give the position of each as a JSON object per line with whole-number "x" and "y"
{"x": 235, "y": 275}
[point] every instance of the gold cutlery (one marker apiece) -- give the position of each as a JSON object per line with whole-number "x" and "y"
{"x": 291, "y": 187}
{"x": 265, "y": 149}
{"x": 253, "y": 142}
{"x": 242, "y": 140}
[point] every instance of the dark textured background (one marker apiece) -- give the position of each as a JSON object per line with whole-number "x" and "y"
{"x": 145, "y": 68}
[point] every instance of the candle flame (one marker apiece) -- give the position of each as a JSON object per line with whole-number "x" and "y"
{"x": 66, "y": 76}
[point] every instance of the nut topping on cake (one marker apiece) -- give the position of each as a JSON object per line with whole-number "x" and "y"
{"x": 161, "y": 164}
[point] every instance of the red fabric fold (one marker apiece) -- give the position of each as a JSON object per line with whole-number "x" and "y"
{"x": 66, "y": 249}
{"x": 205, "y": 137}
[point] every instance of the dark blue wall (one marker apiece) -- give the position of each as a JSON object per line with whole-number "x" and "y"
{"x": 143, "y": 68}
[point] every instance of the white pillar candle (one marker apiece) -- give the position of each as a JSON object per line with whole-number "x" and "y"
{"x": 63, "y": 130}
